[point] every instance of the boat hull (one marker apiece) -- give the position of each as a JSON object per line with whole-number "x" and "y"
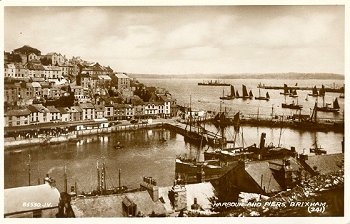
{"x": 262, "y": 98}
{"x": 327, "y": 109}
{"x": 292, "y": 106}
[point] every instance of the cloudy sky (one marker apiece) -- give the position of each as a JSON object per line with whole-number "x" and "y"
{"x": 200, "y": 39}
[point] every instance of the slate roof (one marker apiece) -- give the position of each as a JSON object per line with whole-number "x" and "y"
{"x": 63, "y": 110}
{"x": 111, "y": 205}
{"x": 104, "y": 77}
{"x": 37, "y": 108}
{"x": 263, "y": 176}
{"x": 75, "y": 109}
{"x": 53, "y": 109}
{"x": 86, "y": 106}
{"x": 44, "y": 194}
{"x": 121, "y": 76}
{"x": 52, "y": 68}
{"x": 99, "y": 108}
{"x": 325, "y": 163}
{"x": 21, "y": 112}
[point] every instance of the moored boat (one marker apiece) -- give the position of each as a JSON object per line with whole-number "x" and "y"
{"x": 328, "y": 108}
{"x": 231, "y": 96}
{"x": 267, "y": 97}
{"x": 213, "y": 83}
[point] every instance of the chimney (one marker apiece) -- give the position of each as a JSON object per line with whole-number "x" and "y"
{"x": 303, "y": 157}
{"x": 262, "y": 140}
{"x": 150, "y": 185}
{"x": 195, "y": 205}
{"x": 179, "y": 197}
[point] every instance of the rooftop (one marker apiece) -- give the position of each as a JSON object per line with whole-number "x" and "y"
{"x": 121, "y": 76}
{"x": 43, "y": 194}
{"x": 261, "y": 173}
{"x": 326, "y": 164}
{"x": 111, "y": 205}
{"x": 21, "y": 112}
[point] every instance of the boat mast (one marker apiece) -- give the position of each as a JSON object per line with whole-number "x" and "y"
{"x": 279, "y": 140}
{"x": 119, "y": 179}
{"x": 65, "y": 179}
{"x": 29, "y": 168}
{"x": 242, "y": 139}
{"x": 190, "y": 113}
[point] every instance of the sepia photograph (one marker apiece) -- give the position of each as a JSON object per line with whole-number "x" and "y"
{"x": 174, "y": 110}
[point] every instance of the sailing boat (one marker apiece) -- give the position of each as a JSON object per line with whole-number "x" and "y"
{"x": 245, "y": 93}
{"x": 231, "y": 96}
{"x": 192, "y": 135}
{"x": 237, "y": 94}
{"x": 317, "y": 150}
{"x": 285, "y": 90}
{"x": 327, "y": 108}
{"x": 314, "y": 92}
{"x": 192, "y": 168}
{"x": 306, "y": 98}
{"x": 267, "y": 98}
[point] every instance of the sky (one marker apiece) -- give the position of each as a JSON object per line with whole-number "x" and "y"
{"x": 186, "y": 39}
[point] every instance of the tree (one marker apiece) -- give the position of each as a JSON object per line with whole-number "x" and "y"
{"x": 46, "y": 61}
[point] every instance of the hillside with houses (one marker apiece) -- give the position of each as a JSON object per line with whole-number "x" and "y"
{"x": 43, "y": 88}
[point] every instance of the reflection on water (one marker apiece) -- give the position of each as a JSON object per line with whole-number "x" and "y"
{"x": 143, "y": 154}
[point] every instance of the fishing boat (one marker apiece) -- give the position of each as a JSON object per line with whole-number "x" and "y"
{"x": 252, "y": 152}
{"x": 318, "y": 150}
{"x": 327, "y": 107}
{"x": 314, "y": 92}
{"x": 267, "y": 97}
{"x": 192, "y": 135}
{"x": 285, "y": 90}
{"x": 102, "y": 183}
{"x": 245, "y": 93}
{"x": 292, "y": 105}
{"x": 231, "y": 96}
{"x": 213, "y": 83}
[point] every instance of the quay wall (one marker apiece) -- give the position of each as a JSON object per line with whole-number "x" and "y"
{"x": 11, "y": 143}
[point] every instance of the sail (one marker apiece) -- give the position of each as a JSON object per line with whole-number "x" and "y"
{"x": 244, "y": 90}
{"x": 314, "y": 91}
{"x": 250, "y": 93}
{"x": 232, "y": 91}
{"x": 322, "y": 91}
{"x": 294, "y": 92}
{"x": 285, "y": 88}
{"x": 267, "y": 95}
{"x": 336, "y": 104}
{"x": 236, "y": 121}
{"x": 237, "y": 94}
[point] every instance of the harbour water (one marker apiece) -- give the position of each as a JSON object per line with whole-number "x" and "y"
{"x": 144, "y": 154}
{"x": 207, "y": 97}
